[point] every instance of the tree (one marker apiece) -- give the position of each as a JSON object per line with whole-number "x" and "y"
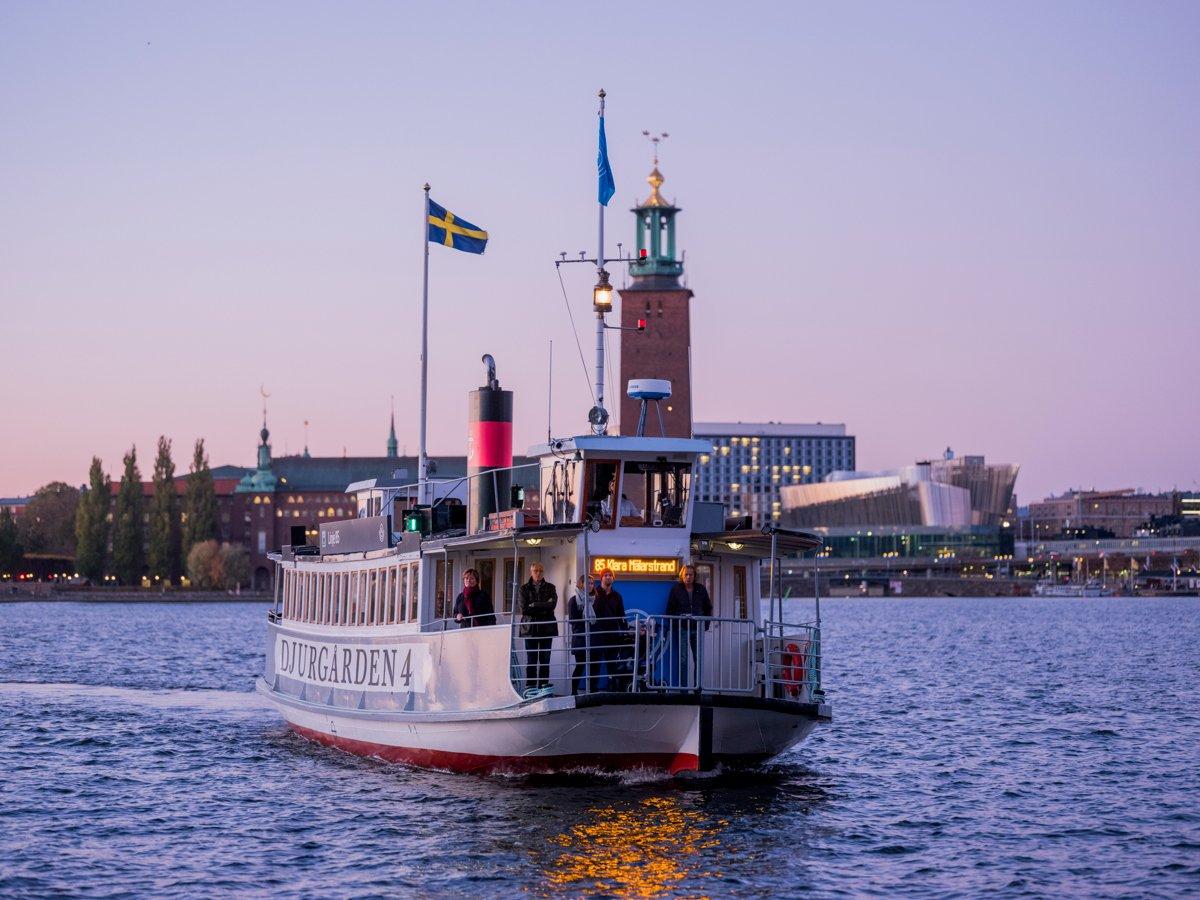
{"x": 128, "y": 530}
{"x": 11, "y": 552}
{"x": 204, "y": 566}
{"x": 199, "y": 503}
{"x": 48, "y": 523}
{"x": 91, "y": 523}
{"x": 235, "y": 566}
{"x": 164, "y": 556}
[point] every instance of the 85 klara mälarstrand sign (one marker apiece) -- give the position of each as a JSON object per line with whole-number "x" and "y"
{"x": 637, "y": 566}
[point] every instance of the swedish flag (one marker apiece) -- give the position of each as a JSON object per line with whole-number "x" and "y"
{"x": 459, "y": 234}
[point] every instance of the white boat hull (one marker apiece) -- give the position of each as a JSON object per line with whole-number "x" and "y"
{"x": 605, "y": 732}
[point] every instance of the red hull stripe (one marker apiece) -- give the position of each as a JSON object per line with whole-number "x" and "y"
{"x": 491, "y": 445}
{"x": 483, "y": 764}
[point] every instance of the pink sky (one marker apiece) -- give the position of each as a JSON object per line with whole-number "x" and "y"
{"x": 940, "y": 224}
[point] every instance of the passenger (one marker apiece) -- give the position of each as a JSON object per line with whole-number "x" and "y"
{"x": 609, "y": 634}
{"x": 473, "y": 606}
{"x": 687, "y": 600}
{"x": 539, "y": 601}
{"x": 582, "y": 616}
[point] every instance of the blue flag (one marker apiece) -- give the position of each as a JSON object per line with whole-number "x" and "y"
{"x": 608, "y": 187}
{"x": 459, "y": 234}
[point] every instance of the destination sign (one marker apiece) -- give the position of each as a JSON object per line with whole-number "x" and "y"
{"x": 394, "y": 668}
{"x": 356, "y": 535}
{"x": 637, "y": 566}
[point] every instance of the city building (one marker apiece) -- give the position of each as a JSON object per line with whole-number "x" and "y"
{"x": 14, "y": 505}
{"x": 654, "y": 295}
{"x": 933, "y": 510}
{"x": 300, "y": 491}
{"x": 751, "y": 462}
{"x": 1119, "y": 513}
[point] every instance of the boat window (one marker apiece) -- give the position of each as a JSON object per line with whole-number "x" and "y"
{"x": 487, "y": 576}
{"x": 352, "y": 600}
{"x": 443, "y": 582}
{"x": 558, "y": 491}
{"x": 601, "y": 489}
{"x": 657, "y": 493}
{"x": 287, "y": 592}
{"x": 414, "y": 593}
{"x": 343, "y": 600}
{"x": 512, "y": 582}
{"x": 704, "y": 576}
{"x": 740, "y": 600}
{"x": 372, "y": 596}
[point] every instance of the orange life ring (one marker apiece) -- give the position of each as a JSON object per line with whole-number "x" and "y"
{"x": 795, "y": 660}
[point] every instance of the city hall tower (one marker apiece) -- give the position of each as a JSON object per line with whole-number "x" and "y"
{"x": 655, "y": 294}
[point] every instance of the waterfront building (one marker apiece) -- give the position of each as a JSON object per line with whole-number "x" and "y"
{"x": 15, "y": 505}
{"x": 286, "y": 498}
{"x": 751, "y": 462}
{"x": 946, "y": 509}
{"x": 1117, "y": 513}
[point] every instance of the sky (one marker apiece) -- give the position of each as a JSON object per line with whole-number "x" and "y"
{"x": 943, "y": 224}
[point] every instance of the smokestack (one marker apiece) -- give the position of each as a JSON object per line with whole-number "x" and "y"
{"x": 489, "y": 447}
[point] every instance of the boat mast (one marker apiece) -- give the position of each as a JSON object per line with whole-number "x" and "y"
{"x": 599, "y": 417}
{"x": 422, "y": 458}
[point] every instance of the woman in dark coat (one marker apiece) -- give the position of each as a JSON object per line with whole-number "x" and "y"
{"x": 539, "y": 600}
{"x": 473, "y": 606}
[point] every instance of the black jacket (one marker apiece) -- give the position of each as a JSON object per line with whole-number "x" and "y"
{"x": 538, "y": 605}
{"x": 678, "y": 603}
{"x": 484, "y": 614}
{"x": 610, "y": 612}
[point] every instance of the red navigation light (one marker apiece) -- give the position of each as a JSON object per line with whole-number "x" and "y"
{"x": 641, "y": 324}
{"x": 642, "y": 253}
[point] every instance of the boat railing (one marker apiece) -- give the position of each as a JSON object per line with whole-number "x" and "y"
{"x": 790, "y": 653}
{"x": 646, "y": 653}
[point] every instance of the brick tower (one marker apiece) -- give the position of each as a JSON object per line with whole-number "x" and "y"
{"x": 663, "y": 350}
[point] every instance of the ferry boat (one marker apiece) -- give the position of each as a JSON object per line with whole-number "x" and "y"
{"x": 363, "y": 653}
{"x": 367, "y": 652}
{"x": 1059, "y": 589}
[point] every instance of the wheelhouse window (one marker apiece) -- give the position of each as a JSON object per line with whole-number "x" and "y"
{"x": 558, "y": 487}
{"x": 602, "y": 490}
{"x": 655, "y": 493}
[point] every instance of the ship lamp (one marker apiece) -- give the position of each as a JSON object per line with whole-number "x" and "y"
{"x": 602, "y": 294}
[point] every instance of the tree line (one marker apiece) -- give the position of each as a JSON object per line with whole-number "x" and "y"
{"x": 123, "y": 536}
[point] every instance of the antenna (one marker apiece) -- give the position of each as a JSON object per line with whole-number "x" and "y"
{"x": 550, "y": 392}
{"x": 655, "y": 139}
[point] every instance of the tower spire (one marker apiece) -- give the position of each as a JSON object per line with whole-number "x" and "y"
{"x": 391, "y": 441}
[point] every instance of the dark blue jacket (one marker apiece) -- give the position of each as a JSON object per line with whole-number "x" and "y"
{"x": 679, "y": 604}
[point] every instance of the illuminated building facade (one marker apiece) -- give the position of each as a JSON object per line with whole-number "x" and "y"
{"x": 751, "y": 463}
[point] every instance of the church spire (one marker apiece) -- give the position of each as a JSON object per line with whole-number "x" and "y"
{"x": 391, "y": 441}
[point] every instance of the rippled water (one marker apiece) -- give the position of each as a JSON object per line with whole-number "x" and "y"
{"x": 1026, "y": 747}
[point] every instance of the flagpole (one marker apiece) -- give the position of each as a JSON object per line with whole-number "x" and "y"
{"x": 602, "y": 429}
{"x": 423, "y": 459}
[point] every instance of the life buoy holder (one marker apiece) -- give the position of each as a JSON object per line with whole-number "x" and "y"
{"x": 794, "y": 663}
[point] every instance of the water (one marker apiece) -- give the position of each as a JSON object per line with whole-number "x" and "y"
{"x": 1023, "y": 747}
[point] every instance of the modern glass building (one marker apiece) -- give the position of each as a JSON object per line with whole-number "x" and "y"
{"x": 752, "y": 461}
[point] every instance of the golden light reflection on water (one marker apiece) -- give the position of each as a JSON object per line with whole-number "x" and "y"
{"x": 641, "y": 851}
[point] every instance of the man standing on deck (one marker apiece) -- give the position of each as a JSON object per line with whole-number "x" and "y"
{"x": 687, "y": 600}
{"x": 539, "y": 600}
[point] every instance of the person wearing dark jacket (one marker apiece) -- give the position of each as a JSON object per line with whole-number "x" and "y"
{"x": 686, "y": 600}
{"x": 609, "y": 634}
{"x": 539, "y": 600}
{"x": 473, "y": 606}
